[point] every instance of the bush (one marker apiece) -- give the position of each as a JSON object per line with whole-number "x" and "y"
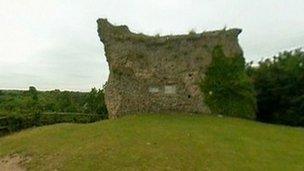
{"x": 279, "y": 84}
{"x": 15, "y": 122}
{"x": 227, "y": 88}
{"x": 52, "y": 118}
{"x": 95, "y": 103}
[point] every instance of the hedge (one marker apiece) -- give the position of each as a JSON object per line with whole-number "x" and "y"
{"x": 15, "y": 122}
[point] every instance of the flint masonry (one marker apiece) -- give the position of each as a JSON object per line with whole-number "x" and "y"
{"x": 155, "y": 74}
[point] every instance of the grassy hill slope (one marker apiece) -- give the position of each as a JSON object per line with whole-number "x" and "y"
{"x": 160, "y": 142}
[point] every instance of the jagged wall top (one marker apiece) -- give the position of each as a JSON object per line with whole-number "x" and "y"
{"x": 108, "y": 31}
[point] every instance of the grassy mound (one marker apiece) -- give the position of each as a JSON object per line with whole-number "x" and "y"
{"x": 160, "y": 142}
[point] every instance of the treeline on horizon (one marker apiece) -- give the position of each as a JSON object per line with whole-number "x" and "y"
{"x": 34, "y": 101}
{"x": 24, "y": 109}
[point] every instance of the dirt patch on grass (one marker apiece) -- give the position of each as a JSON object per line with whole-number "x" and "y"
{"x": 13, "y": 162}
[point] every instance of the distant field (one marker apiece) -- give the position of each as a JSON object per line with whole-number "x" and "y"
{"x": 160, "y": 142}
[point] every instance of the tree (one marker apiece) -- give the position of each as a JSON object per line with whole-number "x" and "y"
{"x": 33, "y": 93}
{"x": 279, "y": 83}
{"x": 65, "y": 103}
{"x": 95, "y": 103}
{"x": 33, "y": 102}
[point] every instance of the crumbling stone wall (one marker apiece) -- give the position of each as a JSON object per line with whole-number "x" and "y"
{"x": 159, "y": 73}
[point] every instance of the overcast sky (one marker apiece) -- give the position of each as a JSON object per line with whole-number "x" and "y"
{"x": 54, "y": 43}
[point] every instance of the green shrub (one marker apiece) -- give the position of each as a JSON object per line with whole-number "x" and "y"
{"x": 95, "y": 103}
{"x": 52, "y": 118}
{"x": 3, "y": 122}
{"x": 20, "y": 121}
{"x": 227, "y": 88}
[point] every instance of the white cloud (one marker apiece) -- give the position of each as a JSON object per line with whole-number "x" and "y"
{"x": 54, "y": 43}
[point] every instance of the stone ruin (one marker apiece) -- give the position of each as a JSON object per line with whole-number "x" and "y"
{"x": 157, "y": 74}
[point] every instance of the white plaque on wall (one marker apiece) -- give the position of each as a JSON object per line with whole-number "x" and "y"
{"x": 153, "y": 89}
{"x": 170, "y": 89}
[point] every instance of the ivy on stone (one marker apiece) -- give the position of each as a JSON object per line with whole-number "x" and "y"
{"x": 227, "y": 89}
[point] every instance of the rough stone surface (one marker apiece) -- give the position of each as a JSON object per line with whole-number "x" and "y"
{"x": 159, "y": 73}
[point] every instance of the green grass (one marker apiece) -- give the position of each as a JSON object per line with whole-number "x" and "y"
{"x": 160, "y": 142}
